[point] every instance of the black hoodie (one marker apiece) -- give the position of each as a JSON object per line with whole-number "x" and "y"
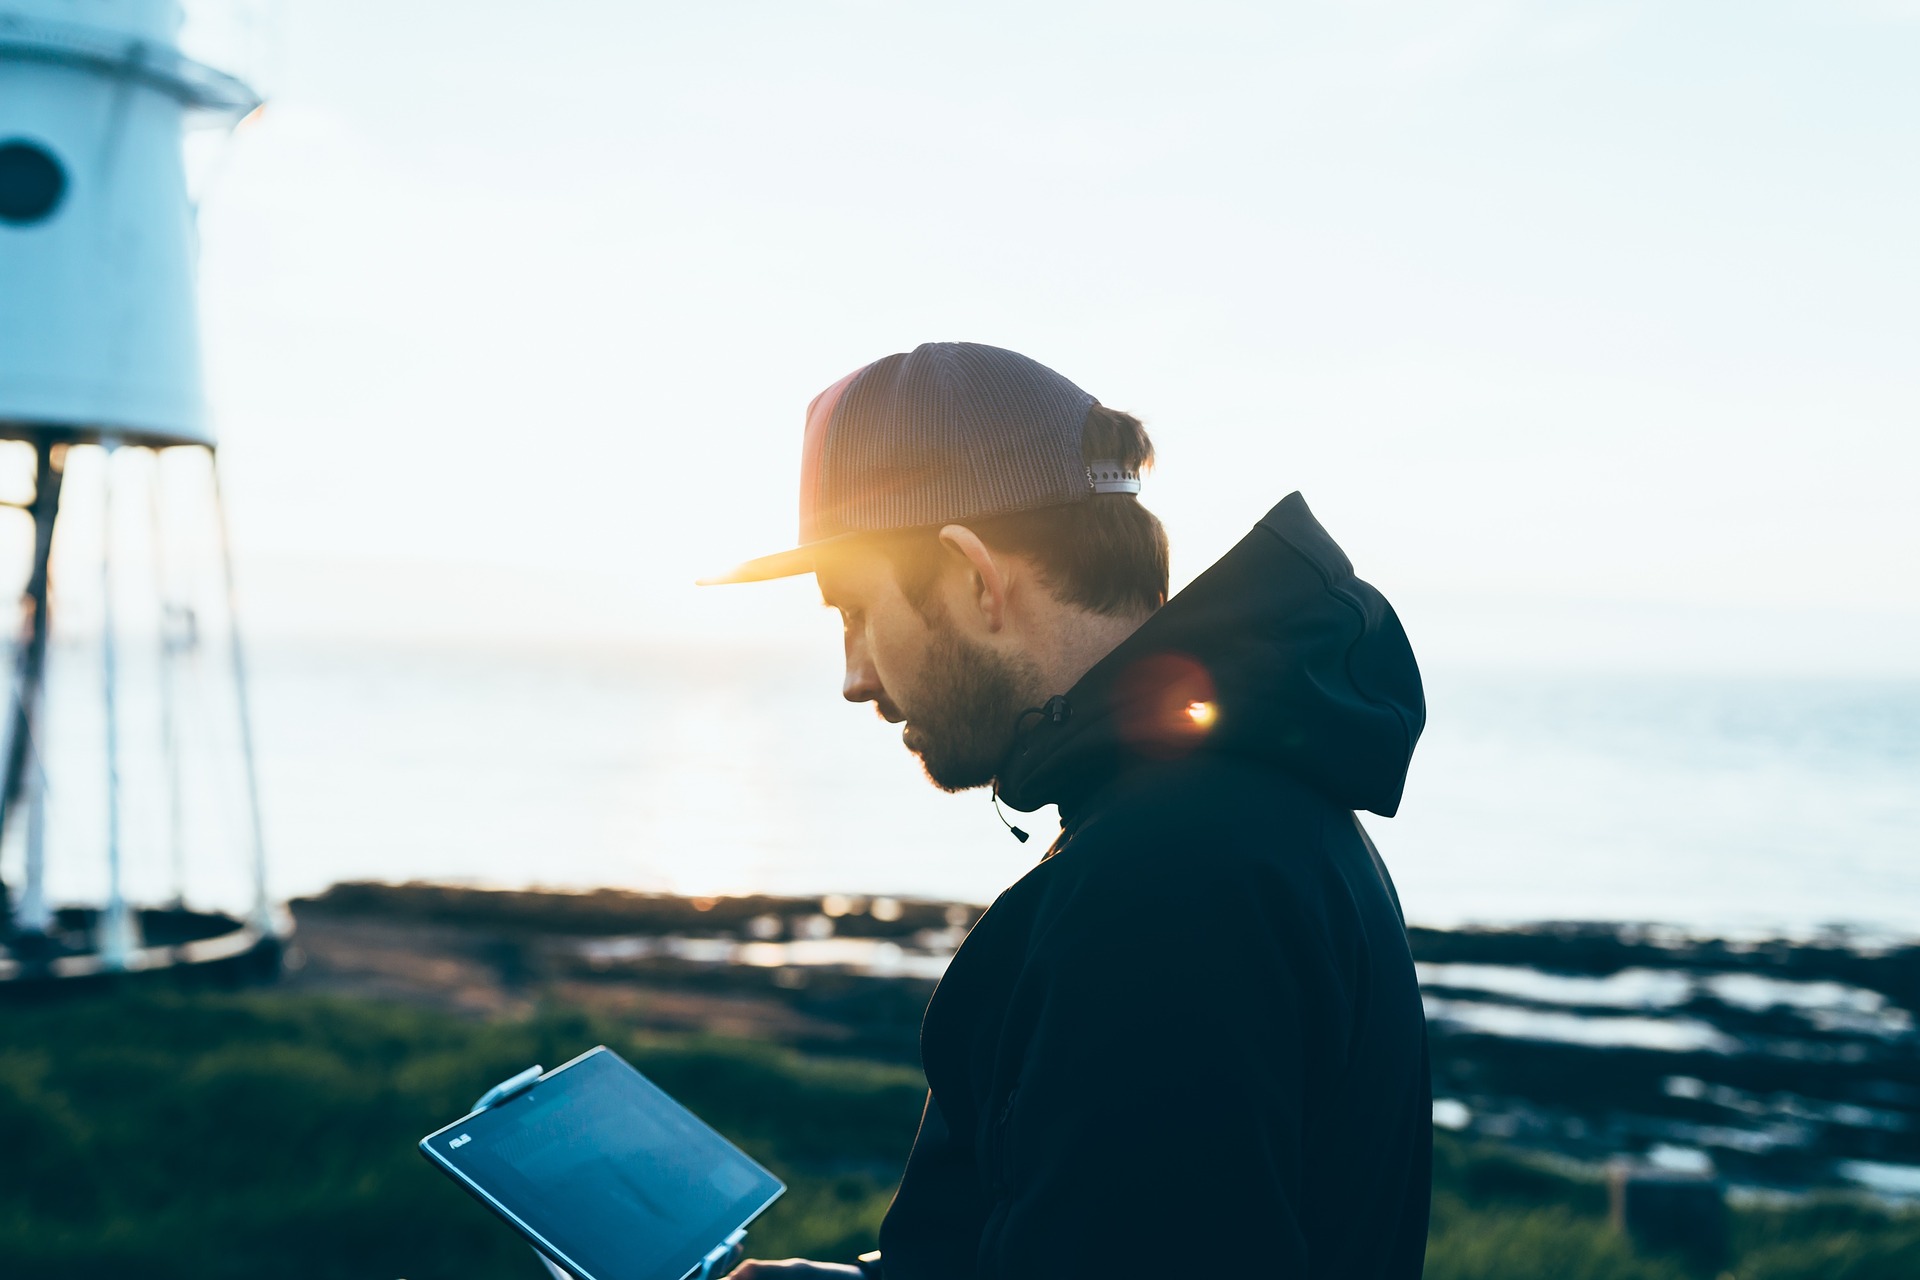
{"x": 1190, "y": 1040}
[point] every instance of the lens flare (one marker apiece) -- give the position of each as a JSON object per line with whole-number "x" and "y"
{"x": 1167, "y": 705}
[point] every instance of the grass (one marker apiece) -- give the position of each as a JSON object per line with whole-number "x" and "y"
{"x": 217, "y": 1136}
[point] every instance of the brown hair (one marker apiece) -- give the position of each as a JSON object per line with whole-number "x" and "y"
{"x": 1107, "y": 554}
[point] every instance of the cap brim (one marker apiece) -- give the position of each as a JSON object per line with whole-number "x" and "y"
{"x": 781, "y": 564}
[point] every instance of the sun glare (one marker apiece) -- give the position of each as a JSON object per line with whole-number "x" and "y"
{"x": 1202, "y": 713}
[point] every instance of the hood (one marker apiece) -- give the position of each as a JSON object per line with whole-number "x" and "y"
{"x": 1276, "y": 654}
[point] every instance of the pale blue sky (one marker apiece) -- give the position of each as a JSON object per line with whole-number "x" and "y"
{"x": 1589, "y": 329}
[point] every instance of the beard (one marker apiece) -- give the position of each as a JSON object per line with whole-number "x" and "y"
{"x": 963, "y": 721}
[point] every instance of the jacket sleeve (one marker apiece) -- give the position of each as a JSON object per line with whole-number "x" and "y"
{"x": 1155, "y": 1128}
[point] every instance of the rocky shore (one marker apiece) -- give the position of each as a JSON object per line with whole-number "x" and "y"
{"x": 1788, "y": 1065}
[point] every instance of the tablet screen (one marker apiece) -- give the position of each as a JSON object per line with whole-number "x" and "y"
{"x": 608, "y": 1170}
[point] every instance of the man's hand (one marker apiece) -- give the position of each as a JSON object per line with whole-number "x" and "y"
{"x": 794, "y": 1269}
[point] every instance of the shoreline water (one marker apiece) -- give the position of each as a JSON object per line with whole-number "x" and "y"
{"x": 1739, "y": 806}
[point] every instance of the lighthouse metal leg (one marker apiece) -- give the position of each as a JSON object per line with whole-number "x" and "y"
{"x": 170, "y": 643}
{"x": 119, "y": 927}
{"x": 35, "y": 913}
{"x": 30, "y": 666}
{"x": 262, "y": 916}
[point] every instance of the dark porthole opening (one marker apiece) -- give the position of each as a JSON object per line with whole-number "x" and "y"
{"x": 31, "y": 182}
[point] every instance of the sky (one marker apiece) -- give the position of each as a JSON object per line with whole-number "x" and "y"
{"x": 1587, "y": 328}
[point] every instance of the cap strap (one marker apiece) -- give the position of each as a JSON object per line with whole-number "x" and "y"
{"x": 1109, "y": 475}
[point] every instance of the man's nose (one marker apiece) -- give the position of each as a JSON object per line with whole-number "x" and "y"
{"x": 861, "y": 684}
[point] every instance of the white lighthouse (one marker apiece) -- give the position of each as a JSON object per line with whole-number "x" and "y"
{"x": 99, "y": 350}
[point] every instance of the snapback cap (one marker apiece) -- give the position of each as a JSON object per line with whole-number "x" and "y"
{"x": 950, "y": 431}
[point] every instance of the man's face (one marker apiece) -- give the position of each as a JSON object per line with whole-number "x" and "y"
{"x": 959, "y": 699}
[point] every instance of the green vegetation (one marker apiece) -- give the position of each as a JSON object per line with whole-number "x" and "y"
{"x": 217, "y": 1136}
{"x": 263, "y": 1135}
{"x": 1498, "y": 1215}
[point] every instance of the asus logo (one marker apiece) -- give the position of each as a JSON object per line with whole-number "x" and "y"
{"x": 460, "y": 1141}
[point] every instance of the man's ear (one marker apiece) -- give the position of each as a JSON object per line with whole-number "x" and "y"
{"x": 987, "y": 581}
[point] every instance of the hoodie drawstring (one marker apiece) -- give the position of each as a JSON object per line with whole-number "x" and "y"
{"x": 1054, "y": 710}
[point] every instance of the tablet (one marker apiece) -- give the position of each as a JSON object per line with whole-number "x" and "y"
{"x": 604, "y": 1173}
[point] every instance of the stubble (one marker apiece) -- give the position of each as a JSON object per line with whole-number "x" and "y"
{"x": 964, "y": 720}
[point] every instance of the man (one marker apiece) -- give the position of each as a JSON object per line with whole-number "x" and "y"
{"x": 1190, "y": 1040}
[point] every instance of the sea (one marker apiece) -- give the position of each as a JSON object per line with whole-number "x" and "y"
{"x": 1727, "y": 806}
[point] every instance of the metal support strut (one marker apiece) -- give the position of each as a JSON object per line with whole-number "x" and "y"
{"x": 171, "y": 642}
{"x": 30, "y": 664}
{"x": 119, "y": 927}
{"x": 262, "y": 916}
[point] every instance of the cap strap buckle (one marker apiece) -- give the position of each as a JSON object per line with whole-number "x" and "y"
{"x": 1108, "y": 475}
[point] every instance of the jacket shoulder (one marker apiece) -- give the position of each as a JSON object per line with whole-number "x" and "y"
{"x": 1213, "y": 813}
{"x": 1180, "y": 847}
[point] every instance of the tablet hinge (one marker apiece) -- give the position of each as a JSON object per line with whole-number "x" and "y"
{"x": 717, "y": 1256}
{"x": 508, "y": 1088}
